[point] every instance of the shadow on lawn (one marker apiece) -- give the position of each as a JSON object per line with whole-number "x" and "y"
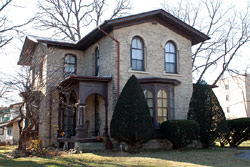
{"x": 214, "y": 157}
{"x": 66, "y": 163}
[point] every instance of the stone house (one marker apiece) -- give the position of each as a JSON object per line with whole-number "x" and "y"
{"x": 233, "y": 93}
{"x": 80, "y": 82}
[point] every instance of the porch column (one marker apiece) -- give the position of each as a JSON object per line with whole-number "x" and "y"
{"x": 106, "y": 139}
{"x": 80, "y": 127}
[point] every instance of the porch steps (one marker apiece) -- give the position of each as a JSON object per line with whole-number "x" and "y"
{"x": 93, "y": 146}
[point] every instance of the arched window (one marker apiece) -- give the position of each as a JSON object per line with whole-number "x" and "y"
{"x": 137, "y": 54}
{"x": 170, "y": 58}
{"x": 97, "y": 61}
{"x": 69, "y": 65}
{"x": 149, "y": 98}
{"x": 162, "y": 106}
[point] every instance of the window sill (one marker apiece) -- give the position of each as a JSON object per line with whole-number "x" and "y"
{"x": 139, "y": 72}
{"x": 171, "y": 74}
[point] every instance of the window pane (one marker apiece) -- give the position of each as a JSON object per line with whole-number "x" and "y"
{"x": 164, "y": 112}
{"x": 171, "y": 58}
{"x": 134, "y": 64}
{"x": 72, "y": 59}
{"x": 165, "y": 102}
{"x": 151, "y": 112}
{"x": 139, "y": 65}
{"x": 159, "y": 111}
{"x": 137, "y": 43}
{"x": 137, "y": 54}
{"x": 159, "y": 102}
{"x": 150, "y": 102}
{"x": 159, "y": 95}
{"x": 150, "y": 95}
{"x": 164, "y": 93}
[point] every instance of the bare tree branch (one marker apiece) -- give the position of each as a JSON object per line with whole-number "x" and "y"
{"x": 70, "y": 19}
{"x": 228, "y": 28}
{"x": 5, "y": 24}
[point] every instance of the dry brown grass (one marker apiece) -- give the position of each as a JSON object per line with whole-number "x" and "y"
{"x": 217, "y": 157}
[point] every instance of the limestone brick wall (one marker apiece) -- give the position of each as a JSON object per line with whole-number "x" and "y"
{"x": 155, "y": 37}
{"x": 107, "y": 51}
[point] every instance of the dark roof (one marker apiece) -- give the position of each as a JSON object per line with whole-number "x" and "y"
{"x": 159, "y": 16}
{"x": 31, "y": 43}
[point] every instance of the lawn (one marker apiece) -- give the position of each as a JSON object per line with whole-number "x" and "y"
{"x": 216, "y": 157}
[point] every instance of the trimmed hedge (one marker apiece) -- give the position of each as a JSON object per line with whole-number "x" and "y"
{"x": 239, "y": 131}
{"x": 180, "y": 132}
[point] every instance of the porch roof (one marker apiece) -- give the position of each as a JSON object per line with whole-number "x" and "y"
{"x": 73, "y": 79}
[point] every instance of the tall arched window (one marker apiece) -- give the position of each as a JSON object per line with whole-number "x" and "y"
{"x": 162, "y": 106}
{"x": 69, "y": 65}
{"x": 137, "y": 54}
{"x": 170, "y": 58}
{"x": 149, "y": 98}
{"x": 97, "y": 61}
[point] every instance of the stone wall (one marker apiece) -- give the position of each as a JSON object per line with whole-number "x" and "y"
{"x": 155, "y": 37}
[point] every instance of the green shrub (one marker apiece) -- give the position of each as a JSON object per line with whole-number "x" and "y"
{"x": 239, "y": 131}
{"x": 131, "y": 121}
{"x": 180, "y": 132}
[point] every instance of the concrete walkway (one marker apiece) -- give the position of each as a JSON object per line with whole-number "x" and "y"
{"x": 244, "y": 155}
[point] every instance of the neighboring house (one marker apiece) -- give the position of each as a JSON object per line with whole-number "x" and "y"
{"x": 9, "y": 129}
{"x": 233, "y": 94}
{"x": 79, "y": 83}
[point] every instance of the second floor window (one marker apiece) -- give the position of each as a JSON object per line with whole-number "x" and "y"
{"x": 137, "y": 54}
{"x": 170, "y": 58}
{"x": 97, "y": 61}
{"x": 69, "y": 65}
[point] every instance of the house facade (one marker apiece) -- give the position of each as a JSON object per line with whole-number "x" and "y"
{"x": 9, "y": 128}
{"x": 233, "y": 93}
{"x": 80, "y": 82}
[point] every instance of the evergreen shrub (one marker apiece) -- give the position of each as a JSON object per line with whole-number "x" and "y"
{"x": 131, "y": 121}
{"x": 239, "y": 131}
{"x": 180, "y": 132}
{"x": 205, "y": 109}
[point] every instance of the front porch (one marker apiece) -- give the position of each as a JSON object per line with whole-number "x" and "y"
{"x": 83, "y": 113}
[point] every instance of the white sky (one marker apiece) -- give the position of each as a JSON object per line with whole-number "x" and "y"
{"x": 10, "y": 54}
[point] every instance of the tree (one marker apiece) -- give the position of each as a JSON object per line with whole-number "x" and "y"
{"x": 205, "y": 109}
{"x": 5, "y": 25}
{"x": 228, "y": 28}
{"x": 131, "y": 121}
{"x": 71, "y": 19}
{"x": 30, "y": 105}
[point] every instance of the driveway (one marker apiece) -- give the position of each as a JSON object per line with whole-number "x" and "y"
{"x": 244, "y": 155}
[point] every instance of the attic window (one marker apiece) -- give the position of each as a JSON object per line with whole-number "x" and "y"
{"x": 69, "y": 65}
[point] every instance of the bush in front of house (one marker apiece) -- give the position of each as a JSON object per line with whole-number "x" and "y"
{"x": 180, "y": 132}
{"x": 131, "y": 121}
{"x": 239, "y": 131}
{"x": 205, "y": 109}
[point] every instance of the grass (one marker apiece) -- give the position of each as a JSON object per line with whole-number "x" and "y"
{"x": 217, "y": 157}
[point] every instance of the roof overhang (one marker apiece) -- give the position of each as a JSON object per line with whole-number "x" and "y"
{"x": 159, "y": 80}
{"x": 158, "y": 16}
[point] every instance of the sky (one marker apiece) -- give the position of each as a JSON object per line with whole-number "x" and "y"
{"x": 20, "y": 11}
